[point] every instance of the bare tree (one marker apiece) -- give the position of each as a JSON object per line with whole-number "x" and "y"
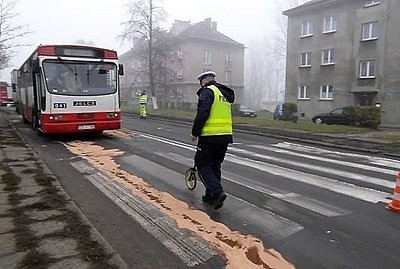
{"x": 259, "y": 66}
{"x": 9, "y": 32}
{"x": 162, "y": 76}
{"x": 266, "y": 60}
{"x": 144, "y": 23}
{"x": 278, "y": 46}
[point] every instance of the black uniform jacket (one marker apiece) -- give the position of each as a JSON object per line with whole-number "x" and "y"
{"x": 206, "y": 99}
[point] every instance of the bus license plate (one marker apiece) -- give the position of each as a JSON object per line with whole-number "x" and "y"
{"x": 86, "y": 127}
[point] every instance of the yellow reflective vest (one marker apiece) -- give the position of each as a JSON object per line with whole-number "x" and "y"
{"x": 143, "y": 99}
{"x": 220, "y": 120}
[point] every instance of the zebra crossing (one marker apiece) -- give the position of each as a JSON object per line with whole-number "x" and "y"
{"x": 368, "y": 179}
{"x": 356, "y": 183}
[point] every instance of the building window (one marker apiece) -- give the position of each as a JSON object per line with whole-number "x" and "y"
{"x": 303, "y": 92}
{"x": 228, "y": 77}
{"x": 369, "y": 31}
{"x": 207, "y": 57}
{"x": 330, "y": 24}
{"x": 227, "y": 59}
{"x": 328, "y": 57}
{"x": 179, "y": 54}
{"x": 179, "y": 74}
{"x": 369, "y": 3}
{"x": 326, "y": 92}
{"x": 179, "y": 91}
{"x": 367, "y": 69}
{"x": 306, "y": 29}
{"x": 305, "y": 59}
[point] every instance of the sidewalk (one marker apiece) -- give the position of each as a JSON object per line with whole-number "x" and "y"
{"x": 40, "y": 227}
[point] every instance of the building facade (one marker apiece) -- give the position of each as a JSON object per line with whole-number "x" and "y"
{"x": 344, "y": 52}
{"x": 195, "y": 48}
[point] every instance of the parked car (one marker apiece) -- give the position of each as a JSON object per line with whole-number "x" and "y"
{"x": 336, "y": 116}
{"x": 244, "y": 111}
{"x": 279, "y": 115}
{"x": 278, "y": 112}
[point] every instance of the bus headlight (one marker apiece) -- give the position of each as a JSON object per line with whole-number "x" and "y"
{"x": 56, "y": 117}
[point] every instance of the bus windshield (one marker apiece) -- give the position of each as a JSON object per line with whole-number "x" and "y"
{"x": 80, "y": 78}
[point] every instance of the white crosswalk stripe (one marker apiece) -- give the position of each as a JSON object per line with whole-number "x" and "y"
{"x": 318, "y": 151}
{"x": 328, "y": 160}
{"x": 331, "y": 182}
{"x": 335, "y": 172}
{"x": 295, "y": 198}
{"x": 362, "y": 193}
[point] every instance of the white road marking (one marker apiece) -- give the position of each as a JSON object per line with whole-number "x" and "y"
{"x": 372, "y": 159}
{"x": 312, "y": 204}
{"x": 365, "y": 194}
{"x": 324, "y": 169}
{"x": 294, "y": 198}
{"x": 192, "y": 250}
{"x": 269, "y": 222}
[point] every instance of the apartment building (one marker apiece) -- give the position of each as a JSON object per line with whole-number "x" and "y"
{"x": 195, "y": 48}
{"x": 202, "y": 47}
{"x": 344, "y": 52}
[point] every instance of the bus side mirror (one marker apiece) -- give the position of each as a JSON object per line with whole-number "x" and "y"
{"x": 120, "y": 69}
{"x": 35, "y": 66}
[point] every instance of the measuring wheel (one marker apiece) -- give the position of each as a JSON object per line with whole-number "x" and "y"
{"x": 190, "y": 178}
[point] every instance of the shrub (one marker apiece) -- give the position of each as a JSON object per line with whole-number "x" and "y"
{"x": 364, "y": 116}
{"x": 289, "y": 112}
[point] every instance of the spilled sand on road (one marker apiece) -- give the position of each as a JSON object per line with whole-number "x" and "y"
{"x": 240, "y": 251}
{"x": 119, "y": 133}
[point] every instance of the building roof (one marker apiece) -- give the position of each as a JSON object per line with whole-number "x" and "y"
{"x": 206, "y": 30}
{"x": 309, "y": 5}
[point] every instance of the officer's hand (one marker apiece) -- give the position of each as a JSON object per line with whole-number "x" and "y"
{"x": 194, "y": 138}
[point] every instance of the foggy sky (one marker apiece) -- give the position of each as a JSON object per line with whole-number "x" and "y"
{"x": 99, "y": 21}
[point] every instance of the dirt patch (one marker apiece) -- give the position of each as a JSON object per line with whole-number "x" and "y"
{"x": 50, "y": 199}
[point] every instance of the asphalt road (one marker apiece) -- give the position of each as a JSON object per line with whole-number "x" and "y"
{"x": 318, "y": 207}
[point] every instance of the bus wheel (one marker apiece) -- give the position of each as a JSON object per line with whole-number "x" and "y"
{"x": 35, "y": 124}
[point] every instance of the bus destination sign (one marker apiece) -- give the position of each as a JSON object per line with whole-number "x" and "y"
{"x": 84, "y": 103}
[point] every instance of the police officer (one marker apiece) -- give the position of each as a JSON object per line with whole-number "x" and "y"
{"x": 143, "y": 102}
{"x": 212, "y": 127}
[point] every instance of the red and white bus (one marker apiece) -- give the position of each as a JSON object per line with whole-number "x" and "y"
{"x": 5, "y": 94}
{"x": 70, "y": 89}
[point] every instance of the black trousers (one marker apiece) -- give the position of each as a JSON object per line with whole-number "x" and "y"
{"x": 208, "y": 160}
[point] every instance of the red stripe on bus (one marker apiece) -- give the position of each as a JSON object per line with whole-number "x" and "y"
{"x": 71, "y": 122}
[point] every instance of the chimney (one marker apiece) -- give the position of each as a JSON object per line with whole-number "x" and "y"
{"x": 214, "y": 26}
{"x": 207, "y": 21}
{"x": 179, "y": 26}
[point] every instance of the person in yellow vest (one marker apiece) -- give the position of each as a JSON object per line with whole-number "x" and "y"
{"x": 143, "y": 102}
{"x": 212, "y": 128}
